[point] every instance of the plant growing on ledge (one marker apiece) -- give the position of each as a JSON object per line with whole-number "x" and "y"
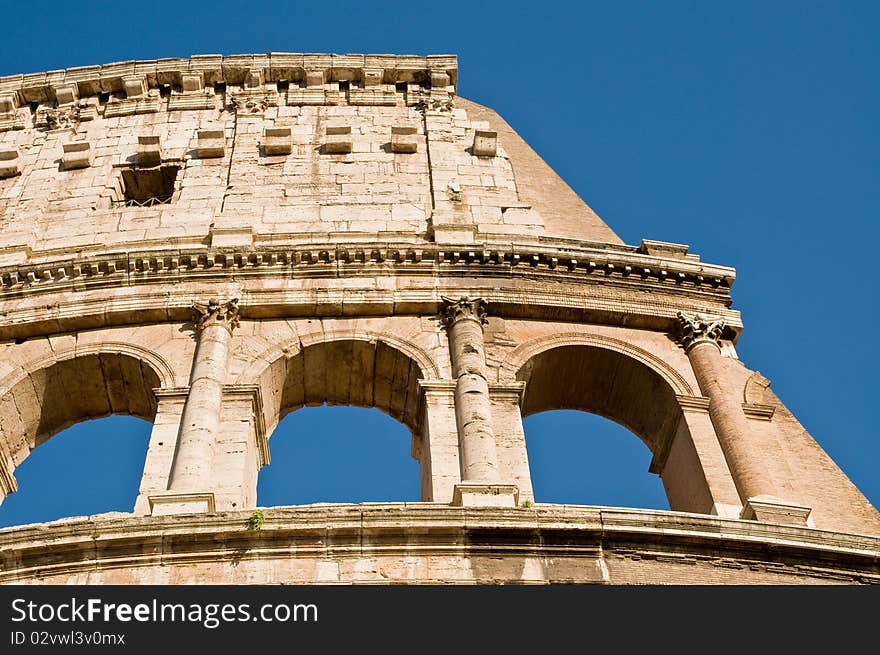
{"x": 255, "y": 522}
{"x": 526, "y": 504}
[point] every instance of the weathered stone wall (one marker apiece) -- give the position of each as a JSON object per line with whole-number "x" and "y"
{"x": 213, "y": 243}
{"x": 426, "y": 543}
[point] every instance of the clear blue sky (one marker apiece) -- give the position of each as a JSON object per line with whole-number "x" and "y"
{"x": 747, "y": 130}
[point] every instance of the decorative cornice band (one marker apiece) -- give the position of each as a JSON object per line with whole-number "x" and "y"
{"x": 150, "y": 266}
{"x": 234, "y": 69}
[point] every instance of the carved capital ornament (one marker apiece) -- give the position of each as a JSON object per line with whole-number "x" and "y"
{"x": 698, "y": 328}
{"x": 216, "y": 313}
{"x": 464, "y": 308}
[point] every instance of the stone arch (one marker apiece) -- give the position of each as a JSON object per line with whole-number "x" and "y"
{"x": 512, "y": 364}
{"x": 346, "y": 367}
{"x": 628, "y": 385}
{"x": 50, "y": 394}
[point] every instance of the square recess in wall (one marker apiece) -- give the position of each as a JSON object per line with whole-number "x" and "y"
{"x": 144, "y": 187}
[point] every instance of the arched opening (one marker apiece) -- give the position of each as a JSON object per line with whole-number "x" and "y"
{"x": 584, "y": 459}
{"x": 616, "y": 385}
{"x": 339, "y": 454}
{"x": 338, "y": 448}
{"x": 89, "y": 468}
{"x": 66, "y": 392}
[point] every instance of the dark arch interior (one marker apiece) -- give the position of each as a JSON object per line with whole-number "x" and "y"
{"x": 349, "y": 372}
{"x": 603, "y": 382}
{"x": 70, "y": 391}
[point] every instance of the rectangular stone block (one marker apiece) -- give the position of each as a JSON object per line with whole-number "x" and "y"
{"x": 149, "y": 150}
{"x": 211, "y": 143}
{"x": 439, "y": 79}
{"x": 254, "y": 79}
{"x": 170, "y": 503}
{"x": 485, "y": 143}
{"x": 404, "y": 139}
{"x": 76, "y": 155}
{"x": 773, "y": 510}
{"x": 315, "y": 78}
{"x": 135, "y": 85}
{"x": 65, "y": 94}
{"x": 485, "y": 495}
{"x": 276, "y": 141}
{"x": 338, "y": 139}
{"x": 10, "y": 165}
{"x": 192, "y": 82}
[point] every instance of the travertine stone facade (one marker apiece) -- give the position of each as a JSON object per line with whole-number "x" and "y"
{"x": 212, "y": 243}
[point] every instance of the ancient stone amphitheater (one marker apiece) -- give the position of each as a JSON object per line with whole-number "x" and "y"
{"x": 212, "y": 243}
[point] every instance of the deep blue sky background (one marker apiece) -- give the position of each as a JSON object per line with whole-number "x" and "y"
{"x": 747, "y": 130}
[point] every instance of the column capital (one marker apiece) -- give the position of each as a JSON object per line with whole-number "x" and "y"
{"x": 695, "y": 329}
{"x": 216, "y": 313}
{"x": 464, "y": 308}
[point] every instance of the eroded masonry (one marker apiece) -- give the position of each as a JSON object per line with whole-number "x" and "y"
{"x": 212, "y": 243}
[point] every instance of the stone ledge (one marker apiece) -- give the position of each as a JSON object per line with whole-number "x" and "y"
{"x": 105, "y": 543}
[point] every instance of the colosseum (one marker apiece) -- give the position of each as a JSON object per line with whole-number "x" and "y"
{"x": 214, "y": 242}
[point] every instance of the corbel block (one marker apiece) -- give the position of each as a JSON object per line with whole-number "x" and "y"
{"x": 77, "y": 154}
{"x": 211, "y": 143}
{"x": 338, "y": 140}
{"x": 404, "y": 139}
{"x": 373, "y": 76}
{"x": 276, "y": 141}
{"x": 192, "y": 82}
{"x": 135, "y": 86}
{"x": 8, "y": 103}
{"x": 149, "y": 150}
{"x": 439, "y": 79}
{"x": 66, "y": 94}
{"x": 10, "y": 163}
{"x": 315, "y": 78}
{"x": 485, "y": 143}
{"x": 254, "y": 79}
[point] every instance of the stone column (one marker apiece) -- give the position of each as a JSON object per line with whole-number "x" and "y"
{"x": 480, "y": 478}
{"x": 190, "y": 483}
{"x": 701, "y": 336}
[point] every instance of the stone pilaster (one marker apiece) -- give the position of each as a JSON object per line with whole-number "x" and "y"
{"x": 510, "y": 437}
{"x": 480, "y": 478}
{"x": 160, "y": 451}
{"x": 701, "y": 336}
{"x": 190, "y": 483}
{"x": 438, "y": 446}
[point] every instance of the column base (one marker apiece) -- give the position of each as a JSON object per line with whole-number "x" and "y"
{"x": 767, "y": 509}
{"x": 171, "y": 503}
{"x": 477, "y": 494}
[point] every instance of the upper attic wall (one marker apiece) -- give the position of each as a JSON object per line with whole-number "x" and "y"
{"x": 565, "y": 213}
{"x": 266, "y": 149}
